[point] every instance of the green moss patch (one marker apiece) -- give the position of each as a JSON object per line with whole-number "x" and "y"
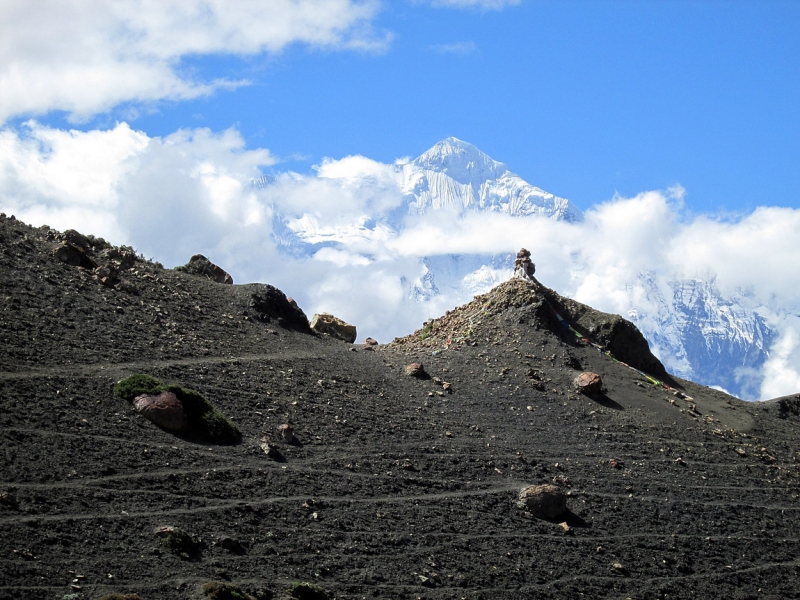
{"x": 204, "y": 420}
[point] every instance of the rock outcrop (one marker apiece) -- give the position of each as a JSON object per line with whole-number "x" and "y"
{"x": 200, "y": 265}
{"x": 266, "y": 303}
{"x": 334, "y": 327}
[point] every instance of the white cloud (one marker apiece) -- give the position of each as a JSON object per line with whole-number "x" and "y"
{"x": 88, "y": 56}
{"x": 782, "y": 370}
{"x": 173, "y": 196}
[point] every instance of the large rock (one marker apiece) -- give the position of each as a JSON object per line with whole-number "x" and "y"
{"x": 164, "y": 409}
{"x": 74, "y": 255}
{"x": 266, "y": 302}
{"x": 334, "y": 327}
{"x": 200, "y": 265}
{"x": 543, "y": 501}
{"x": 588, "y": 383}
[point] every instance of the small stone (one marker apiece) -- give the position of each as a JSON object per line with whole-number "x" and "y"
{"x": 287, "y": 433}
{"x": 565, "y": 526}
{"x": 370, "y": 342}
{"x": 415, "y": 370}
{"x": 271, "y": 450}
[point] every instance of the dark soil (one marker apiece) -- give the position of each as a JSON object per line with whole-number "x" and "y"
{"x": 395, "y": 486}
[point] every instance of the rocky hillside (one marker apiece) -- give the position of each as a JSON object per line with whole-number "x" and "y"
{"x": 388, "y": 471}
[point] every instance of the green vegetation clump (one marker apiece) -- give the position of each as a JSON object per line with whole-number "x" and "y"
{"x": 303, "y": 590}
{"x": 138, "y": 384}
{"x": 203, "y": 418}
{"x": 217, "y": 590}
{"x": 427, "y": 331}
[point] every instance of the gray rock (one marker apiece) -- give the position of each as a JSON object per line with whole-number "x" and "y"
{"x": 544, "y": 501}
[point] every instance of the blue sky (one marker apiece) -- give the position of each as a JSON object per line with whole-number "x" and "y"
{"x": 583, "y": 99}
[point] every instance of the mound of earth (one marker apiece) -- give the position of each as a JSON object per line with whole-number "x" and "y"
{"x": 390, "y": 486}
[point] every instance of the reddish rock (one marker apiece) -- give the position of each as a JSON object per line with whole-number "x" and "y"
{"x": 370, "y": 342}
{"x": 164, "y": 409}
{"x": 415, "y": 370}
{"x": 543, "y": 501}
{"x": 588, "y": 383}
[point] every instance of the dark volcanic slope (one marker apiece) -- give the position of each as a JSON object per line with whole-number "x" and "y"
{"x": 393, "y": 490}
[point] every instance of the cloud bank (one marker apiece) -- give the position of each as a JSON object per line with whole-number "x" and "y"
{"x": 86, "y": 57}
{"x": 173, "y": 196}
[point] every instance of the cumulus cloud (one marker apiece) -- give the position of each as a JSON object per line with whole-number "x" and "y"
{"x": 188, "y": 192}
{"x": 88, "y": 56}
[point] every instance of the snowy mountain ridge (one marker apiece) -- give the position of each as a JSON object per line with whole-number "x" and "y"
{"x": 696, "y": 332}
{"x": 455, "y": 174}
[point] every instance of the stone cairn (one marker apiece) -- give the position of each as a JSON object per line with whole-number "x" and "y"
{"x": 524, "y": 268}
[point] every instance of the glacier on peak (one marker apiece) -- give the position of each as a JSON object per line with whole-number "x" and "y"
{"x": 455, "y": 174}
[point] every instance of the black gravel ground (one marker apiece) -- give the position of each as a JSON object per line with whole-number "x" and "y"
{"x": 395, "y": 486}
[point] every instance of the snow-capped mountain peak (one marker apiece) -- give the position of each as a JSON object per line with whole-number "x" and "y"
{"x": 461, "y": 161}
{"x": 454, "y": 174}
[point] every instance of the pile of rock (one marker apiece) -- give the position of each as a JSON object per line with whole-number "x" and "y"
{"x": 96, "y": 255}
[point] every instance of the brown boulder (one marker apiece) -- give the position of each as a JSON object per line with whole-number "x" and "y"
{"x": 334, "y": 327}
{"x": 588, "y": 383}
{"x": 416, "y": 370}
{"x": 164, "y": 409}
{"x": 543, "y": 501}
